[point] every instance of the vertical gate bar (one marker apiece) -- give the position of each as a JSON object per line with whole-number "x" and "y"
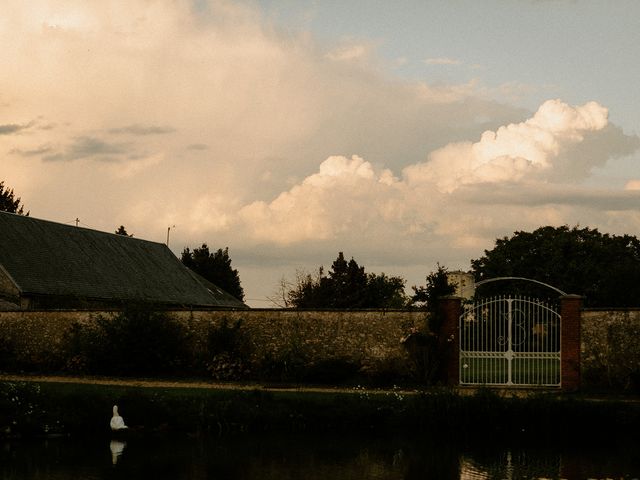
{"x": 509, "y": 341}
{"x": 545, "y": 348}
{"x": 460, "y": 346}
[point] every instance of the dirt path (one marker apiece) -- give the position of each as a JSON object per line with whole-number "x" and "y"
{"x": 148, "y": 383}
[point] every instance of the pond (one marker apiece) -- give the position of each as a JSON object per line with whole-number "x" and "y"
{"x": 268, "y": 457}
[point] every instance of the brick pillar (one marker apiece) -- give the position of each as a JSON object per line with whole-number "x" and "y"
{"x": 449, "y": 343}
{"x": 570, "y": 311}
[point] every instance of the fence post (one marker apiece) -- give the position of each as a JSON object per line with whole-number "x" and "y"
{"x": 449, "y": 343}
{"x": 570, "y": 313}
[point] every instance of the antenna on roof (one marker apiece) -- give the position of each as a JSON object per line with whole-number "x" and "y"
{"x": 169, "y": 230}
{"x": 77, "y": 221}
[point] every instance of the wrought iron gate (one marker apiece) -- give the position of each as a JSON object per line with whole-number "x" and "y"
{"x": 510, "y": 341}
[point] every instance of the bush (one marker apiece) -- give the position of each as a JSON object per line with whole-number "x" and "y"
{"x": 286, "y": 365}
{"x": 136, "y": 341}
{"x": 228, "y": 352}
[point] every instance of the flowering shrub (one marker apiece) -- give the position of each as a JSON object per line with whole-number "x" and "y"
{"x": 228, "y": 352}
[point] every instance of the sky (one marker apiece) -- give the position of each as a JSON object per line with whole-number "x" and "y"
{"x": 404, "y": 134}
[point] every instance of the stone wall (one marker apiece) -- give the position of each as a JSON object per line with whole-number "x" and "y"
{"x": 611, "y": 348}
{"x": 369, "y": 338}
{"x": 610, "y": 340}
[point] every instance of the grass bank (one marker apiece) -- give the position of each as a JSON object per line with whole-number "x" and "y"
{"x": 30, "y": 408}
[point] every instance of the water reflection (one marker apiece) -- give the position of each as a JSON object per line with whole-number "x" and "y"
{"x": 116, "y": 447}
{"x": 310, "y": 457}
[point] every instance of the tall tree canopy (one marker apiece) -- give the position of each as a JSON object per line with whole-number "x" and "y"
{"x": 604, "y": 268}
{"x": 215, "y": 267}
{"x": 9, "y": 202}
{"x": 347, "y": 286}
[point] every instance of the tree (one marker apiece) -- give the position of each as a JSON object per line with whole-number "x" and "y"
{"x": 426, "y": 348}
{"x": 604, "y": 268}
{"x": 437, "y": 285}
{"x": 385, "y": 292}
{"x": 122, "y": 231}
{"x": 347, "y": 286}
{"x": 215, "y": 267}
{"x": 8, "y": 201}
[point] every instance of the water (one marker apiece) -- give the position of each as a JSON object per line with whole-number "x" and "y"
{"x": 249, "y": 457}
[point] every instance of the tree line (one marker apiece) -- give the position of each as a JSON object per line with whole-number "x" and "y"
{"x": 604, "y": 268}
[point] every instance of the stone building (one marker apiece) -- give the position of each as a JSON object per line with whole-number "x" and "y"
{"x": 47, "y": 265}
{"x": 463, "y": 282}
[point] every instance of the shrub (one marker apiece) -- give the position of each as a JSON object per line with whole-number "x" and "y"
{"x": 136, "y": 341}
{"x": 228, "y": 351}
{"x": 287, "y": 363}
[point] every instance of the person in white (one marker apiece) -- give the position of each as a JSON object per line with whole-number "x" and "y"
{"x": 117, "y": 423}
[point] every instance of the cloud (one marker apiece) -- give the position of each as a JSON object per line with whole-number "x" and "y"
{"x": 514, "y": 151}
{"x": 87, "y": 147}
{"x": 128, "y": 169}
{"x": 449, "y": 197}
{"x": 12, "y": 128}
{"x": 142, "y": 130}
{"x": 632, "y": 185}
{"x": 198, "y": 146}
{"x": 545, "y": 194}
{"x": 35, "y": 152}
{"x": 325, "y": 205}
{"x": 351, "y": 51}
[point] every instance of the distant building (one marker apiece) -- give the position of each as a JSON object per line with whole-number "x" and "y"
{"x": 464, "y": 283}
{"x": 48, "y": 265}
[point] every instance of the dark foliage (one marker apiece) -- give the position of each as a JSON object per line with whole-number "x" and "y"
{"x": 347, "y": 287}
{"x": 215, "y": 267}
{"x": 9, "y": 202}
{"x": 228, "y": 352}
{"x": 426, "y": 349}
{"x": 604, "y": 268}
{"x": 437, "y": 286}
{"x": 135, "y": 342}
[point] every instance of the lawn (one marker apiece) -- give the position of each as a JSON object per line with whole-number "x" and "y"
{"x": 492, "y": 370}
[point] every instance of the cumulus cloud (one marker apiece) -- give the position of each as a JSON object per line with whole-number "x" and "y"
{"x": 511, "y": 167}
{"x": 514, "y": 151}
{"x": 323, "y": 205}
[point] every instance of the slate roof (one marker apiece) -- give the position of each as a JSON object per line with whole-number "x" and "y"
{"x": 48, "y": 258}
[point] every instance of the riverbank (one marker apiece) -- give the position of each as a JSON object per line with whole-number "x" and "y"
{"x": 32, "y": 406}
